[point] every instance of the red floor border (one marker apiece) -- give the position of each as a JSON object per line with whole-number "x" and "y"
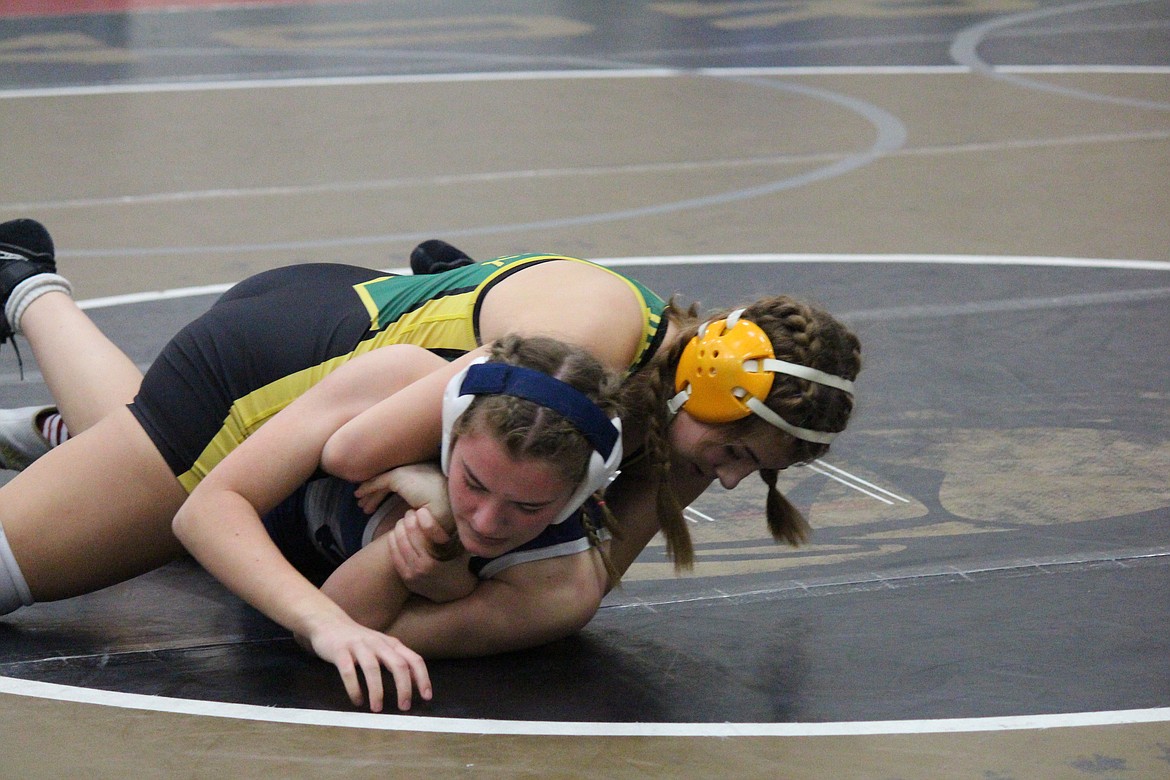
{"x": 15, "y": 8}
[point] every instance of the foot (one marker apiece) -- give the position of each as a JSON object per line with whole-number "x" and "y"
{"x": 435, "y": 257}
{"x": 21, "y": 441}
{"x": 26, "y": 249}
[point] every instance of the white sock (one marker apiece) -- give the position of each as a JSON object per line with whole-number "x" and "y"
{"x": 14, "y": 592}
{"x": 52, "y": 426}
{"x": 28, "y": 291}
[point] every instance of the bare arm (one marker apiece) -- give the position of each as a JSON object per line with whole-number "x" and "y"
{"x": 533, "y": 603}
{"x": 556, "y": 299}
{"x": 360, "y": 448}
{"x": 523, "y": 606}
{"x": 635, "y": 506}
{"x": 374, "y": 583}
{"x": 367, "y": 586}
{"x": 220, "y": 522}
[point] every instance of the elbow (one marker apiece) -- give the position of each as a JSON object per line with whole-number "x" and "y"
{"x": 342, "y": 457}
{"x": 190, "y": 522}
{"x": 562, "y": 612}
{"x": 567, "y": 620}
{"x": 581, "y": 617}
{"x": 578, "y": 610}
{"x": 181, "y": 524}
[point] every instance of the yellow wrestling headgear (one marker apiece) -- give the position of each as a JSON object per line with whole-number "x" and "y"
{"x": 726, "y": 371}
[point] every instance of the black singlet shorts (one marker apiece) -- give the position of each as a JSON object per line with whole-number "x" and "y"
{"x": 268, "y": 327}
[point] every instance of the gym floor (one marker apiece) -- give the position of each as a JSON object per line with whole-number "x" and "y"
{"x": 979, "y": 188}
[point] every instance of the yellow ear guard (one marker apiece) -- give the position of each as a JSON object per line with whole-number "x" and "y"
{"x": 726, "y": 371}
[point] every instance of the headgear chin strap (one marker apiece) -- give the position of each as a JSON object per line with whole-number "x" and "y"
{"x": 726, "y": 372}
{"x": 602, "y": 432}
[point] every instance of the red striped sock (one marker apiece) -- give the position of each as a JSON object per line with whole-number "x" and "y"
{"x": 53, "y": 428}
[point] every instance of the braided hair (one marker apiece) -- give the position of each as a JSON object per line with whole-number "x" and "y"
{"x": 800, "y": 333}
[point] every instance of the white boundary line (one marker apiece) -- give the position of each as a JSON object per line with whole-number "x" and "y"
{"x": 1022, "y": 260}
{"x": 362, "y": 720}
{"x": 372, "y": 721}
{"x": 668, "y": 260}
{"x": 565, "y": 75}
{"x": 858, "y": 479}
{"x": 815, "y": 467}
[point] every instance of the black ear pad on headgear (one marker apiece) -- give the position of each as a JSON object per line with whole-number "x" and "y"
{"x": 487, "y": 378}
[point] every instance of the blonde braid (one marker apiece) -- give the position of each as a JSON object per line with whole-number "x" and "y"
{"x": 644, "y": 397}
{"x": 785, "y": 521}
{"x": 800, "y": 333}
{"x": 609, "y": 523}
{"x": 803, "y": 334}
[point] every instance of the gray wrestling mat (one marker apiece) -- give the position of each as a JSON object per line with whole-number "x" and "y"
{"x": 979, "y": 189}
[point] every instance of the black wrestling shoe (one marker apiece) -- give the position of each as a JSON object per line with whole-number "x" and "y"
{"x": 435, "y": 257}
{"x": 26, "y": 249}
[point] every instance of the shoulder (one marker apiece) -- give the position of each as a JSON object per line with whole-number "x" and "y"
{"x": 581, "y": 303}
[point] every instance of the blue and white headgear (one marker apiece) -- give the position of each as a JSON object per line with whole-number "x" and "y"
{"x": 494, "y": 378}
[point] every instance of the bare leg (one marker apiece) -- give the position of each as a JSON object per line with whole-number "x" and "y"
{"x": 87, "y": 374}
{"x": 98, "y": 509}
{"x": 95, "y": 511}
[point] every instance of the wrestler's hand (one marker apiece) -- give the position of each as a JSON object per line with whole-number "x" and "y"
{"x": 352, "y": 647}
{"x": 419, "y": 484}
{"x": 412, "y": 545}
